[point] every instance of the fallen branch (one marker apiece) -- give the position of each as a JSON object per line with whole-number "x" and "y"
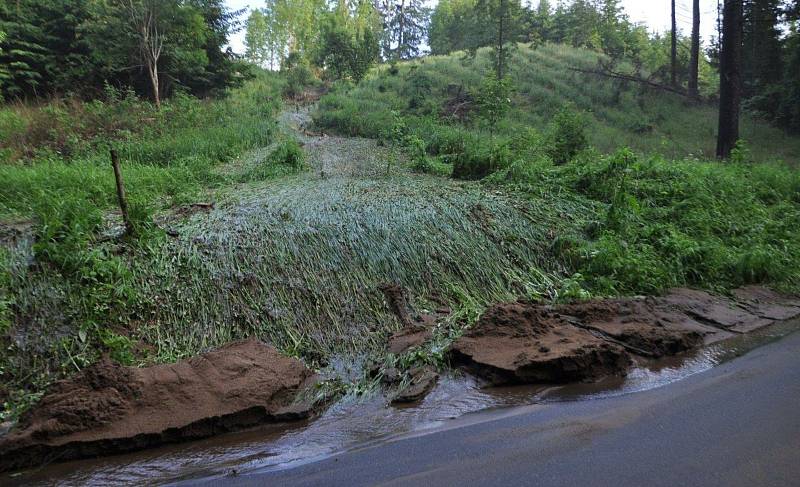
{"x": 635, "y": 79}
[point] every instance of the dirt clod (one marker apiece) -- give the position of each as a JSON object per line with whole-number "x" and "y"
{"x": 523, "y": 343}
{"x": 397, "y": 299}
{"x": 643, "y": 326}
{"x": 108, "y": 408}
{"x": 421, "y": 381}
{"x": 409, "y": 337}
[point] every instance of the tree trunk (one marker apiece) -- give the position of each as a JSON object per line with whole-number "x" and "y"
{"x": 500, "y": 41}
{"x": 123, "y": 201}
{"x": 694, "y": 64}
{"x": 674, "y": 50}
{"x": 153, "y": 72}
{"x": 730, "y": 89}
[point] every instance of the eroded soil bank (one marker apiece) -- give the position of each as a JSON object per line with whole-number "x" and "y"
{"x": 516, "y": 343}
{"x": 109, "y": 409}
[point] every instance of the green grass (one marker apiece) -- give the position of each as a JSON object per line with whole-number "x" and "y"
{"x": 618, "y": 114}
{"x": 663, "y": 213}
{"x": 667, "y": 223}
{"x": 68, "y": 283}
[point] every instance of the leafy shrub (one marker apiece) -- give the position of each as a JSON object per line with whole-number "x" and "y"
{"x": 480, "y": 158}
{"x": 568, "y": 136}
{"x": 494, "y": 100}
{"x": 418, "y": 90}
{"x": 289, "y": 153}
{"x": 676, "y": 223}
{"x": 298, "y": 76}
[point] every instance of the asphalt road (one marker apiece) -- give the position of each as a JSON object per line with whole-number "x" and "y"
{"x": 735, "y": 425}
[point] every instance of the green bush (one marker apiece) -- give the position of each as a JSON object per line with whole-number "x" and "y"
{"x": 298, "y": 77}
{"x": 567, "y": 136}
{"x": 480, "y": 157}
{"x": 289, "y": 153}
{"x": 675, "y": 223}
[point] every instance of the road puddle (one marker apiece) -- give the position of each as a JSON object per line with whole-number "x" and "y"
{"x": 357, "y": 422}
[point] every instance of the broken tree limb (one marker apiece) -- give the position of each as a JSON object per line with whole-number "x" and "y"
{"x": 635, "y": 79}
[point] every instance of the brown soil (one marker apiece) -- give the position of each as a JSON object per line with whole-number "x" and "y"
{"x": 767, "y": 303}
{"x": 110, "y": 409}
{"x": 409, "y": 337}
{"x": 421, "y": 382}
{"x": 643, "y": 326}
{"x": 523, "y": 343}
{"x": 519, "y": 342}
{"x": 397, "y": 299}
{"x": 716, "y": 311}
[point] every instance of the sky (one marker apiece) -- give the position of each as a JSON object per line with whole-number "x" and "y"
{"x": 654, "y": 13}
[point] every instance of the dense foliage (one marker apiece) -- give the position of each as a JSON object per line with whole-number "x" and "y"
{"x": 771, "y": 61}
{"x": 348, "y": 48}
{"x": 79, "y": 46}
{"x": 343, "y": 36}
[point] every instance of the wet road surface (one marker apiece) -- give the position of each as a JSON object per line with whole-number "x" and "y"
{"x": 736, "y": 424}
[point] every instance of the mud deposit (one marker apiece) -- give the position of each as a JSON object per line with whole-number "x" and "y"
{"x": 354, "y": 422}
{"x": 110, "y": 409}
{"x": 528, "y": 343}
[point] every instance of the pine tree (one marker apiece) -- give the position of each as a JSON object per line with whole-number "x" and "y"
{"x": 694, "y": 62}
{"x": 730, "y": 91}
{"x": 762, "y": 60}
{"x": 674, "y": 48}
{"x": 503, "y": 21}
{"x": 3, "y": 69}
{"x": 789, "y": 109}
{"x": 405, "y": 25}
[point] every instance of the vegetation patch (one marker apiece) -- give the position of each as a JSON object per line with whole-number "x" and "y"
{"x": 70, "y": 289}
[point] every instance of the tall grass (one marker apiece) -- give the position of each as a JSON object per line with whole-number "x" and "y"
{"x": 68, "y": 288}
{"x": 618, "y": 113}
{"x": 666, "y": 223}
{"x": 300, "y": 263}
{"x": 667, "y": 216}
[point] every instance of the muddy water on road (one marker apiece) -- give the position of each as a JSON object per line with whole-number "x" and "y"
{"x": 352, "y": 423}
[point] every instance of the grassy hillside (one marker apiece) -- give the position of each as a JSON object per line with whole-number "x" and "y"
{"x": 664, "y": 213}
{"x": 617, "y": 113}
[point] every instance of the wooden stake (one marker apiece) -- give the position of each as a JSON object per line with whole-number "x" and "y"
{"x": 123, "y": 201}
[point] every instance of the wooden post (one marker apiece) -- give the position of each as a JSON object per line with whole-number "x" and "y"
{"x": 123, "y": 201}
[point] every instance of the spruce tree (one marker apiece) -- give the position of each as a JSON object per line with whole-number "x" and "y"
{"x": 405, "y": 25}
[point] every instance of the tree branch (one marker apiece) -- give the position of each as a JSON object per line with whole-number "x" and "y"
{"x": 627, "y": 77}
